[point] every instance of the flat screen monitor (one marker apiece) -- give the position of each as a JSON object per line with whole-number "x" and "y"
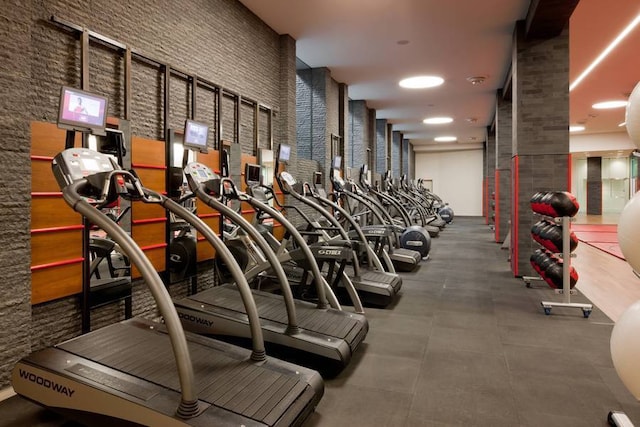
{"x": 284, "y": 153}
{"x": 82, "y": 111}
{"x": 365, "y": 170}
{"x": 337, "y": 162}
{"x": 317, "y": 178}
{"x": 252, "y": 174}
{"x": 195, "y": 136}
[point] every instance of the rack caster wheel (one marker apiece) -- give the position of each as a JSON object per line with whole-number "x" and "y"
{"x": 547, "y": 310}
{"x": 586, "y": 313}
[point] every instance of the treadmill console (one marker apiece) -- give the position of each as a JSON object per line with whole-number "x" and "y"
{"x": 198, "y": 174}
{"x": 288, "y": 178}
{"x": 75, "y": 164}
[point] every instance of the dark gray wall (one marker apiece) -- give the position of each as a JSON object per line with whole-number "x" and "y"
{"x": 396, "y": 143}
{"x": 594, "y": 186}
{"x": 381, "y": 146}
{"x": 219, "y": 40}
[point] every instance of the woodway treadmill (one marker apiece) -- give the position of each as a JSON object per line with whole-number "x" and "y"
{"x": 316, "y": 335}
{"x": 125, "y": 374}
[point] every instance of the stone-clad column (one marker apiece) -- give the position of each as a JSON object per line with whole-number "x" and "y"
{"x": 540, "y": 162}
{"x": 503, "y": 166}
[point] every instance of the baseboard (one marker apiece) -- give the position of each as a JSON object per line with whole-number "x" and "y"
{"x": 6, "y": 393}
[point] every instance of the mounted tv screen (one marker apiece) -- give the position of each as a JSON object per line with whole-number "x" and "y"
{"x": 195, "y": 136}
{"x": 252, "y": 174}
{"x": 284, "y": 153}
{"x": 82, "y": 111}
{"x": 365, "y": 170}
{"x": 337, "y": 162}
{"x": 317, "y": 178}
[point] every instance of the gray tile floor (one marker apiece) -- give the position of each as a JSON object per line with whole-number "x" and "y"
{"x": 466, "y": 344}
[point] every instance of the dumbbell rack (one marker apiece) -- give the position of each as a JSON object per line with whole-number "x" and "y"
{"x": 565, "y": 223}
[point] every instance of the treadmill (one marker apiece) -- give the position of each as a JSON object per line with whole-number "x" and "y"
{"x": 139, "y": 372}
{"x": 313, "y": 334}
{"x": 376, "y": 288}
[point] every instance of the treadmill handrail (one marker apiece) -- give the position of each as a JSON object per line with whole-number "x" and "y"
{"x": 188, "y": 406}
{"x": 258, "y": 350}
{"x": 302, "y": 244}
{"x": 287, "y": 294}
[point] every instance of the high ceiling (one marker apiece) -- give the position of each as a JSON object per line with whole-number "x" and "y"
{"x": 364, "y": 44}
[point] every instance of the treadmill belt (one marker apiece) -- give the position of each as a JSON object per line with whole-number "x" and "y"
{"x": 229, "y": 382}
{"x": 270, "y": 307}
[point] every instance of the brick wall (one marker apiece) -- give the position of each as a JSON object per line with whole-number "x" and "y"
{"x": 219, "y": 40}
{"x": 381, "y": 146}
{"x": 503, "y": 164}
{"x": 15, "y": 188}
{"x": 405, "y": 157}
{"x": 396, "y": 143}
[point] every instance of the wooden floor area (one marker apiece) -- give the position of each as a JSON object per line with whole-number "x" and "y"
{"x": 607, "y": 281}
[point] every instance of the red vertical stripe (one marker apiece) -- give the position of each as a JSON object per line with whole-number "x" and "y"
{"x": 496, "y": 202}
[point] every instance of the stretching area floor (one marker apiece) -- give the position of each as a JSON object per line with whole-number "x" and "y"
{"x": 466, "y": 344}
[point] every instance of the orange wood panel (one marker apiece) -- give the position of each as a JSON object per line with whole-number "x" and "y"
{"x": 153, "y": 179}
{"x": 147, "y": 151}
{"x": 56, "y": 282}
{"x": 278, "y": 231}
{"x": 205, "y": 251}
{"x": 42, "y": 179}
{"x": 52, "y": 211}
{"x": 157, "y": 258}
{"x": 55, "y": 246}
{"x": 211, "y": 159}
{"x": 148, "y": 234}
{"x": 48, "y": 140}
{"x": 204, "y": 209}
{"x": 147, "y": 211}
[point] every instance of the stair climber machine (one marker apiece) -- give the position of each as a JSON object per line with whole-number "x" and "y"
{"x": 412, "y": 243}
{"x": 407, "y": 219}
{"x": 375, "y": 288}
{"x": 436, "y": 203}
{"x": 139, "y": 372}
{"x": 395, "y": 189}
{"x": 376, "y": 241}
{"x": 317, "y": 255}
{"x": 315, "y": 334}
{"x": 427, "y": 207}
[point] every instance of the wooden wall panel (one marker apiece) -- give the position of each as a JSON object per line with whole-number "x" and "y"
{"x": 149, "y": 234}
{"x": 147, "y": 152}
{"x": 153, "y": 179}
{"x": 48, "y": 140}
{"x": 63, "y": 248}
{"x": 52, "y": 283}
{"x": 142, "y": 211}
{"x": 157, "y": 258}
{"x": 47, "y": 212}
{"x": 211, "y": 159}
{"x": 55, "y": 246}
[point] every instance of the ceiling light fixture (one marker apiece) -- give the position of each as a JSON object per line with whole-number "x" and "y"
{"x": 605, "y": 52}
{"x": 471, "y": 119}
{"x": 609, "y": 104}
{"x": 403, "y": 42}
{"x": 445, "y": 139}
{"x": 476, "y": 80}
{"x": 576, "y": 128}
{"x": 437, "y": 120}
{"x": 421, "y": 82}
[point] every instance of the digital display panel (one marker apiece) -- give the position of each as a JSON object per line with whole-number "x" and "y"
{"x": 195, "y": 136}
{"x": 80, "y": 110}
{"x": 284, "y": 153}
{"x": 252, "y": 173}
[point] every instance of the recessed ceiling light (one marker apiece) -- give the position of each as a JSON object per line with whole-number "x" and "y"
{"x": 403, "y": 42}
{"x": 421, "y": 82}
{"x": 476, "y": 80}
{"x": 445, "y": 139}
{"x": 437, "y": 120}
{"x": 609, "y": 104}
{"x": 576, "y": 128}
